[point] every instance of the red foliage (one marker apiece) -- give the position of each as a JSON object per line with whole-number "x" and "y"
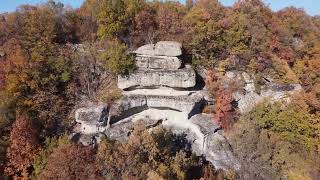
{"x": 225, "y": 112}
{"x": 23, "y": 146}
{"x": 222, "y": 89}
{"x": 71, "y": 162}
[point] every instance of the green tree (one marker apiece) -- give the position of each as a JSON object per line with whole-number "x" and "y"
{"x": 116, "y": 59}
{"x": 115, "y": 17}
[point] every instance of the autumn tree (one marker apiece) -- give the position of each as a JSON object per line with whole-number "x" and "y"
{"x": 157, "y": 153}
{"x": 70, "y": 161}
{"x": 116, "y": 59}
{"x": 145, "y": 27}
{"x": 115, "y": 18}
{"x": 40, "y": 161}
{"x": 221, "y": 89}
{"x": 278, "y": 140}
{"x": 170, "y": 21}
{"x": 24, "y": 143}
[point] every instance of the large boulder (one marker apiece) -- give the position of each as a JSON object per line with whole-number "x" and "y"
{"x": 215, "y": 147}
{"x": 91, "y": 120}
{"x": 93, "y": 115}
{"x": 162, "y": 48}
{"x": 158, "y": 62}
{"x": 181, "y": 78}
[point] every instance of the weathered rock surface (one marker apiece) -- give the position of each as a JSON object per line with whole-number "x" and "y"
{"x": 120, "y": 131}
{"x": 92, "y": 120}
{"x": 158, "y": 62}
{"x": 162, "y": 48}
{"x": 94, "y": 115}
{"x": 157, "y": 94}
{"x": 87, "y": 139}
{"x": 189, "y": 103}
{"x": 181, "y": 78}
{"x": 200, "y": 131}
{"x": 248, "y": 98}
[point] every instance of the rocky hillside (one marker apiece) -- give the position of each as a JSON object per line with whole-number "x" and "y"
{"x": 136, "y": 89}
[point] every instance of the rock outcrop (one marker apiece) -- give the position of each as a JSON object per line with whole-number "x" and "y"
{"x": 180, "y": 78}
{"x": 249, "y": 97}
{"x": 158, "y": 62}
{"x": 165, "y": 98}
{"x": 162, "y": 48}
{"x": 92, "y": 119}
{"x": 205, "y": 136}
{"x": 162, "y": 93}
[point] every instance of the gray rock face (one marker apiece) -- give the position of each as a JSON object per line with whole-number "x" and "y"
{"x": 249, "y": 97}
{"x": 207, "y": 141}
{"x": 87, "y": 139}
{"x": 95, "y": 115}
{"x": 156, "y": 94}
{"x": 184, "y": 103}
{"x": 182, "y": 78}
{"x": 120, "y": 131}
{"x": 162, "y": 48}
{"x": 158, "y": 62}
{"x": 215, "y": 147}
{"x": 201, "y": 131}
{"x": 92, "y": 120}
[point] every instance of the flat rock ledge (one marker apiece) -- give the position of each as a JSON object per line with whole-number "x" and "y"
{"x": 181, "y": 78}
{"x": 158, "y": 62}
{"x": 162, "y": 48}
{"x": 189, "y": 104}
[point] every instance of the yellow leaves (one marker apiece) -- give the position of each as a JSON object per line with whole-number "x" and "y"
{"x": 298, "y": 175}
{"x": 152, "y": 175}
{"x": 283, "y": 73}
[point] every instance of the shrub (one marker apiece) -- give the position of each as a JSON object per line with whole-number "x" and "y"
{"x": 278, "y": 139}
{"x": 116, "y": 60}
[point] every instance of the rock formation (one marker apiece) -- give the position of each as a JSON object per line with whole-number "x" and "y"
{"x": 162, "y": 92}
{"x": 249, "y": 97}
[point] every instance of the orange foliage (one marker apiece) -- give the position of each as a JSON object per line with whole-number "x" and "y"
{"x": 24, "y": 144}
{"x": 70, "y": 162}
{"x": 222, "y": 89}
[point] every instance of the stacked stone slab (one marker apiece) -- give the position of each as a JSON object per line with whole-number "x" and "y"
{"x": 159, "y": 93}
{"x": 162, "y": 80}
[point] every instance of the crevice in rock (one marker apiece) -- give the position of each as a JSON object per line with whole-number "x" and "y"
{"x": 127, "y": 113}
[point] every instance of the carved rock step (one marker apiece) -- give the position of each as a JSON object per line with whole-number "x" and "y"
{"x": 162, "y": 48}
{"x": 158, "y": 62}
{"x": 181, "y": 78}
